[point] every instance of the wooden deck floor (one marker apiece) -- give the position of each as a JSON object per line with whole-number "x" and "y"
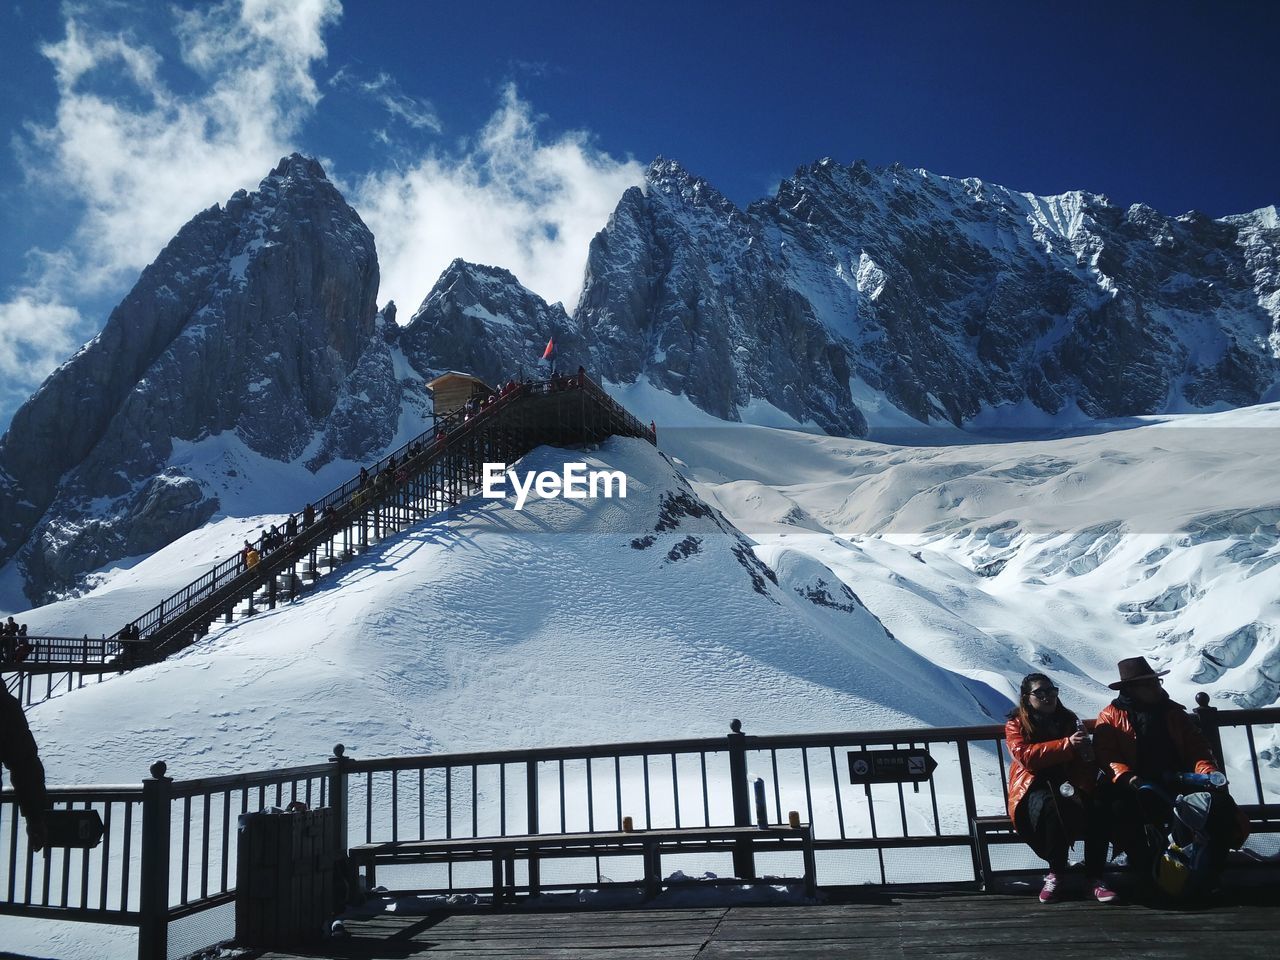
{"x": 1241, "y": 924}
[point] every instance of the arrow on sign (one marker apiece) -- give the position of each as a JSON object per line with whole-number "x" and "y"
{"x": 890, "y": 766}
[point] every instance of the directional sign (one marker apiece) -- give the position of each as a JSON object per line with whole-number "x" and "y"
{"x": 890, "y": 766}
{"x": 80, "y": 829}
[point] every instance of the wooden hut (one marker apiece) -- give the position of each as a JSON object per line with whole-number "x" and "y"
{"x": 450, "y": 391}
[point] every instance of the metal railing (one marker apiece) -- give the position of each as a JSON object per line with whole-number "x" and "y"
{"x": 38, "y": 667}
{"x": 169, "y": 851}
{"x": 62, "y": 651}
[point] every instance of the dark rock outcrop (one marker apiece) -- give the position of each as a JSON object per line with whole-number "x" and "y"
{"x": 481, "y": 320}
{"x": 946, "y": 297}
{"x": 257, "y": 319}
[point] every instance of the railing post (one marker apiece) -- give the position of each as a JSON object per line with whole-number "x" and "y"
{"x": 1207, "y": 717}
{"x": 976, "y": 847}
{"x": 153, "y": 925}
{"x": 531, "y": 793}
{"x": 744, "y": 866}
{"x": 338, "y": 803}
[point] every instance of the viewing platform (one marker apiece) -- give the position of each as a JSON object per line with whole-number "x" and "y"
{"x": 1240, "y": 923}
{"x": 857, "y": 843}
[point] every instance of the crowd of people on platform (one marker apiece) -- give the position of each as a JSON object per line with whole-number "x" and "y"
{"x": 1126, "y": 786}
{"x": 14, "y": 645}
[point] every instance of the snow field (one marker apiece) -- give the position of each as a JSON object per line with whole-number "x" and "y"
{"x": 915, "y": 585}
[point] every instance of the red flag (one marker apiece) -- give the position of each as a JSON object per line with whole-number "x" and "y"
{"x": 550, "y": 352}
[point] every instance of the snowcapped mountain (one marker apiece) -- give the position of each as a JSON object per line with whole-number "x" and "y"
{"x": 255, "y": 327}
{"x": 852, "y": 294}
{"x": 810, "y": 582}
{"x": 949, "y": 299}
{"x": 483, "y": 321}
{"x": 682, "y": 288}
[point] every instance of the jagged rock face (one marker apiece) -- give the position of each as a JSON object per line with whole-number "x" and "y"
{"x": 257, "y": 318}
{"x": 948, "y": 296}
{"x": 480, "y": 320}
{"x": 680, "y": 288}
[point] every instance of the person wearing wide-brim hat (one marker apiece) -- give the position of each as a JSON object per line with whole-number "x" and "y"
{"x": 1142, "y": 737}
{"x": 1135, "y": 671}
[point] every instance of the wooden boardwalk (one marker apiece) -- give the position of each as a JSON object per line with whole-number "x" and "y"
{"x": 946, "y": 924}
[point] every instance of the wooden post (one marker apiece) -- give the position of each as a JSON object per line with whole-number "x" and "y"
{"x": 978, "y": 849}
{"x": 1207, "y": 718}
{"x": 338, "y": 803}
{"x": 744, "y": 865}
{"x": 531, "y": 794}
{"x": 153, "y": 907}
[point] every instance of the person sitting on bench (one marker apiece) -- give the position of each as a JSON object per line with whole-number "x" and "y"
{"x": 1053, "y": 786}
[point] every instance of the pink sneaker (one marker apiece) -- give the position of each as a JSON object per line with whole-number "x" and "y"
{"x": 1101, "y": 892}
{"x": 1049, "y": 892}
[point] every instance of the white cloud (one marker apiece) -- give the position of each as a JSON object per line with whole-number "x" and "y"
{"x": 143, "y": 160}
{"x": 36, "y": 334}
{"x": 384, "y": 90}
{"x": 513, "y": 199}
{"x": 144, "y": 164}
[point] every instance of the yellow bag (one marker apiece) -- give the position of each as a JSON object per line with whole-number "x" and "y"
{"x": 1173, "y": 871}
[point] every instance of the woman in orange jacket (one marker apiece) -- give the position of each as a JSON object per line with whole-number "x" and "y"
{"x": 1053, "y": 786}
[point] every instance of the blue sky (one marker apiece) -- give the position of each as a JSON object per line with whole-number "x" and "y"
{"x": 505, "y": 132}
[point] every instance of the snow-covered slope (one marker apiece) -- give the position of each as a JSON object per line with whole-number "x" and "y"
{"x": 830, "y": 584}
{"x": 1153, "y": 537}
{"x": 567, "y": 621}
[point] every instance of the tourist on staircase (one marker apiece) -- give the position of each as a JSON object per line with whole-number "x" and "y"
{"x": 1054, "y": 787}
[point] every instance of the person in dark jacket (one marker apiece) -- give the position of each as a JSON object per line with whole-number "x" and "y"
{"x": 1053, "y": 787}
{"x": 18, "y": 752}
{"x": 1143, "y": 737}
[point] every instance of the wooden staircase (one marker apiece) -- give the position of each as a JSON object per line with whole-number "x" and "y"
{"x": 425, "y": 477}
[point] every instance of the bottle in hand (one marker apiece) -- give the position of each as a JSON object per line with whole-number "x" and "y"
{"x": 1086, "y": 748}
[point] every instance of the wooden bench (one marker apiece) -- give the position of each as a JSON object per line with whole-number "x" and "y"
{"x": 650, "y": 845}
{"x": 1262, "y": 817}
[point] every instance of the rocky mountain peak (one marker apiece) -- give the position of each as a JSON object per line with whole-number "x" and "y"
{"x": 249, "y": 322}
{"x": 669, "y": 179}
{"x": 483, "y": 320}
{"x": 297, "y": 167}
{"x": 942, "y": 298}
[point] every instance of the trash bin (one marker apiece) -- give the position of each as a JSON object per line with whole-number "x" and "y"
{"x": 284, "y": 877}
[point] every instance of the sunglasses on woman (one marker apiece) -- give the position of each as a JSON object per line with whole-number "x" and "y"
{"x": 1044, "y": 693}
